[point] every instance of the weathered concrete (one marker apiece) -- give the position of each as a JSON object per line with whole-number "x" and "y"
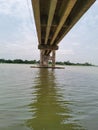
{"x": 44, "y": 59}
{"x": 47, "y": 47}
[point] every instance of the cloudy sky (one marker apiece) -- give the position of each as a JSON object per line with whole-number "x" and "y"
{"x": 18, "y": 37}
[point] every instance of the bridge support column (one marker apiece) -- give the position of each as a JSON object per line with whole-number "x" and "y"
{"x": 41, "y": 57}
{"x": 44, "y": 59}
{"x": 53, "y": 58}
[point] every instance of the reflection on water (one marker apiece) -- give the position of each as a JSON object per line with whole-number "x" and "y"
{"x": 49, "y": 110}
{"x": 40, "y": 99}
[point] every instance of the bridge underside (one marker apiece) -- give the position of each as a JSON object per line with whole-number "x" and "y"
{"x": 54, "y": 19}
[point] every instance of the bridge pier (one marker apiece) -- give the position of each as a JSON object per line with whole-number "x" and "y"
{"x": 53, "y": 58}
{"x": 44, "y": 59}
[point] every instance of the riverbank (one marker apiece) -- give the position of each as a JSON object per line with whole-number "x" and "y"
{"x": 61, "y": 63}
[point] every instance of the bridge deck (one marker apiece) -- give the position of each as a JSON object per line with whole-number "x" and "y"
{"x": 55, "y": 18}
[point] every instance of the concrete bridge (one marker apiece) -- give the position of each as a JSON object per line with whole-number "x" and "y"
{"x": 54, "y": 19}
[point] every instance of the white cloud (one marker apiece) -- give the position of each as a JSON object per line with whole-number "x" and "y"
{"x": 19, "y": 50}
{"x": 24, "y": 42}
{"x": 65, "y": 52}
{"x": 61, "y": 54}
{"x": 17, "y": 8}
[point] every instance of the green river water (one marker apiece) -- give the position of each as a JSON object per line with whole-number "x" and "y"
{"x": 46, "y": 99}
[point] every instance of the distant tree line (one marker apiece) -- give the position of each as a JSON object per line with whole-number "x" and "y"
{"x": 76, "y": 64}
{"x": 20, "y": 61}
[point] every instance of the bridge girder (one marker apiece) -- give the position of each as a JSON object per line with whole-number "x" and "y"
{"x": 55, "y": 18}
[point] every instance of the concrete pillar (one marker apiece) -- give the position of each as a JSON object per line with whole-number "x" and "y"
{"x": 53, "y": 58}
{"x": 43, "y": 59}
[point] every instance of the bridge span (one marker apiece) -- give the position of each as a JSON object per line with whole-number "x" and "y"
{"x": 54, "y": 19}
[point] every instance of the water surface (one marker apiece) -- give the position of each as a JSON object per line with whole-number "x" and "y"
{"x": 46, "y": 99}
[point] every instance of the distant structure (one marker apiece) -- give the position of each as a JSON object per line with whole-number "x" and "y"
{"x": 54, "y": 19}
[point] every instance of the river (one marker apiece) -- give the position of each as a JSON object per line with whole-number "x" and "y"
{"x": 46, "y": 99}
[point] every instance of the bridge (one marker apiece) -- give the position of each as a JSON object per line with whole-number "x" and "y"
{"x": 54, "y": 19}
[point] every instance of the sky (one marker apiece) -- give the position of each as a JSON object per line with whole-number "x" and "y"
{"x": 18, "y": 38}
